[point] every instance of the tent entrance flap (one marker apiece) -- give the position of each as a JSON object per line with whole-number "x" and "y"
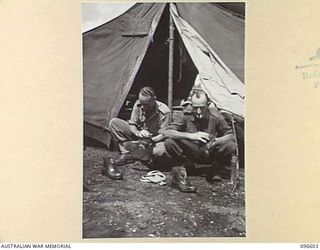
{"x": 126, "y": 86}
{"x": 111, "y": 60}
{"x": 215, "y": 77}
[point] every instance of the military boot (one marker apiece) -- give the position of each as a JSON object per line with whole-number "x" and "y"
{"x": 180, "y": 180}
{"x": 110, "y": 170}
{"x": 218, "y": 172}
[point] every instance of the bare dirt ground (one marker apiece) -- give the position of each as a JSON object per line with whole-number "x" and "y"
{"x": 131, "y": 208}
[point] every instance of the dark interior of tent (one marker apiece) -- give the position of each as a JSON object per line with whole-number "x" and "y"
{"x": 154, "y": 69}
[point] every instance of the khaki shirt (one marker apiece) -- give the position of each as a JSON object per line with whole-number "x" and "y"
{"x": 213, "y": 123}
{"x": 156, "y": 122}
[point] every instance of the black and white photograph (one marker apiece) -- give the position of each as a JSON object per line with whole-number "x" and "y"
{"x": 163, "y": 120}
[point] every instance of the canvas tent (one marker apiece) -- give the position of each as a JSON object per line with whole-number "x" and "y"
{"x": 131, "y": 51}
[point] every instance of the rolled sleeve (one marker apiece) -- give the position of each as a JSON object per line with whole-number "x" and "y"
{"x": 223, "y": 128}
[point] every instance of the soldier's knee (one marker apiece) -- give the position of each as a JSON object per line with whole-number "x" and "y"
{"x": 114, "y": 122}
{"x": 230, "y": 148}
{"x": 116, "y": 125}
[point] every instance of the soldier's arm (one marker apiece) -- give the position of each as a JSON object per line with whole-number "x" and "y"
{"x": 134, "y": 130}
{"x": 224, "y": 132}
{"x": 224, "y": 138}
{"x": 134, "y": 121}
{"x": 158, "y": 138}
{"x": 178, "y": 135}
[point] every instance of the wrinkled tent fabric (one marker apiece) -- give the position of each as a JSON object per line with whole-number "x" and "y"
{"x": 220, "y": 83}
{"x": 223, "y": 32}
{"x": 113, "y": 53}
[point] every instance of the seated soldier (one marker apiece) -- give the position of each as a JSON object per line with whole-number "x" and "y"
{"x": 200, "y": 136}
{"x": 148, "y": 117}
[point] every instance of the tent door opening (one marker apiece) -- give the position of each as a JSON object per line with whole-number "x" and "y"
{"x": 153, "y": 71}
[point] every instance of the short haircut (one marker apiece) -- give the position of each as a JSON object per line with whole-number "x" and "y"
{"x": 198, "y": 93}
{"x": 147, "y": 91}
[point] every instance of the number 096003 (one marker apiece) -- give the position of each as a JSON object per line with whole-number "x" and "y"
{"x": 309, "y": 246}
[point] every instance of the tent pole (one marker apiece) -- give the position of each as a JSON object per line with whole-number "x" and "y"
{"x": 170, "y": 74}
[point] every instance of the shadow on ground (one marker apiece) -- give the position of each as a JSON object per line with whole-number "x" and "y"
{"x": 131, "y": 208}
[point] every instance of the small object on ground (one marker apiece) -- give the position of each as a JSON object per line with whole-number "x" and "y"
{"x": 217, "y": 178}
{"x": 155, "y": 176}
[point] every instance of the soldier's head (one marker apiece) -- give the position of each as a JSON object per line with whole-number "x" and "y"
{"x": 200, "y": 103}
{"x": 147, "y": 99}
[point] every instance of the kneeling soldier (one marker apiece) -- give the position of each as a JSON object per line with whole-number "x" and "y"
{"x": 148, "y": 118}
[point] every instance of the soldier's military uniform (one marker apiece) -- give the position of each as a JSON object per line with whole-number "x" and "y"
{"x": 154, "y": 123}
{"x": 130, "y": 148}
{"x": 197, "y": 152}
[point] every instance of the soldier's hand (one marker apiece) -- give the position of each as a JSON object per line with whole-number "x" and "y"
{"x": 200, "y": 136}
{"x": 144, "y": 134}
